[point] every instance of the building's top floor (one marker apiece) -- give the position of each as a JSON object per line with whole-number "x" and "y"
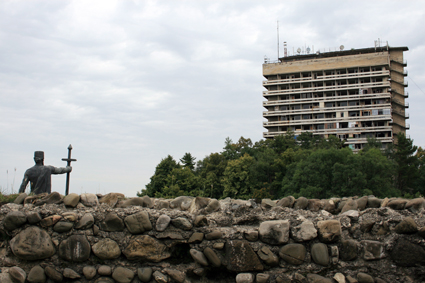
{"x": 320, "y": 55}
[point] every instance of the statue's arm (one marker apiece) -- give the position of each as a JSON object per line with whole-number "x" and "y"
{"x": 24, "y": 184}
{"x": 61, "y": 170}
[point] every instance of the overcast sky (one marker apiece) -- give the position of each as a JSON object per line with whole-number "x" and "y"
{"x": 129, "y": 82}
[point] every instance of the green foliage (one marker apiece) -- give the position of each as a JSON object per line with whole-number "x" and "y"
{"x": 307, "y": 165}
{"x": 160, "y": 179}
{"x": 237, "y": 181}
{"x": 7, "y": 198}
{"x": 406, "y": 164}
{"x": 188, "y": 161}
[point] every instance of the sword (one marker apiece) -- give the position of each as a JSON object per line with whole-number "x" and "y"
{"x": 68, "y": 160}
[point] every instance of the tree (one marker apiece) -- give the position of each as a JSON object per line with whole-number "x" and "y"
{"x": 313, "y": 177}
{"x": 406, "y": 164}
{"x": 210, "y": 171}
{"x": 188, "y": 161}
{"x": 237, "y": 180}
{"x": 159, "y": 179}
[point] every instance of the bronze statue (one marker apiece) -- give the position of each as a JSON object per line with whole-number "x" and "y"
{"x": 40, "y": 175}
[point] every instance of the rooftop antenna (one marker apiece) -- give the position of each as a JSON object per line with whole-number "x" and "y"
{"x": 278, "y": 40}
{"x": 285, "y": 49}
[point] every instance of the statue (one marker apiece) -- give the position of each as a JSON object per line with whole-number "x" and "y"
{"x": 40, "y": 175}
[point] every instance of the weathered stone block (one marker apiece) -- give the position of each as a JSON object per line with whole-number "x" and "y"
{"x": 75, "y": 248}
{"x": 241, "y": 257}
{"x": 293, "y": 253}
{"x": 275, "y": 232}
{"x": 106, "y": 249}
{"x": 32, "y": 243}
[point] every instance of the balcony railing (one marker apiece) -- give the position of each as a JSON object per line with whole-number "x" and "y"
{"x": 331, "y": 98}
{"x": 319, "y": 110}
{"x": 327, "y": 120}
{"x": 326, "y": 88}
{"x": 328, "y": 77}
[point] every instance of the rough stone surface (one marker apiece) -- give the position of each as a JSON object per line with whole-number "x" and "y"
{"x": 214, "y": 235}
{"x": 286, "y": 202}
{"x": 36, "y": 275}
{"x": 293, "y": 253}
{"x": 304, "y": 232}
{"x": 162, "y": 222}
{"x": 144, "y": 274}
{"x": 266, "y": 255}
{"x": 301, "y": 203}
{"x": 244, "y": 278}
{"x": 71, "y": 274}
{"x": 146, "y": 248}
{"x": 71, "y": 200}
{"x": 349, "y": 250}
{"x": 415, "y": 205}
{"x": 17, "y": 274}
{"x": 89, "y": 272}
{"x": 406, "y": 253}
{"x": 182, "y": 223}
{"x": 314, "y": 278}
{"x": 274, "y": 232}
{"x": 373, "y": 250}
{"x": 182, "y": 202}
{"x": 199, "y": 257}
{"x": 329, "y": 230}
{"x": 176, "y": 275}
{"x": 112, "y": 223}
{"x": 106, "y": 249}
{"x": 89, "y": 200}
{"x": 104, "y": 270}
{"x": 364, "y": 278}
{"x": 138, "y": 223}
{"x": 53, "y": 274}
{"x": 251, "y": 235}
{"x": 320, "y": 254}
{"x": 63, "y": 226}
{"x": 85, "y": 222}
{"x": 339, "y": 277}
{"x": 20, "y": 199}
{"x": 406, "y": 226}
{"x": 111, "y": 199}
{"x": 160, "y": 277}
{"x": 14, "y": 220}
{"x": 212, "y": 257}
{"x": 350, "y": 205}
{"x": 241, "y": 257}
{"x": 262, "y": 277}
{"x": 32, "y": 244}
{"x": 76, "y": 248}
{"x": 123, "y": 275}
{"x": 33, "y": 217}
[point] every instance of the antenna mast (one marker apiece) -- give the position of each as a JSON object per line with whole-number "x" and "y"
{"x": 278, "y": 40}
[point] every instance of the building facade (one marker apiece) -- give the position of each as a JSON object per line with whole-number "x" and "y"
{"x": 352, "y": 94}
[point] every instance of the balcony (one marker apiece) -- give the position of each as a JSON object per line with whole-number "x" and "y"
{"x": 327, "y": 88}
{"x": 318, "y": 110}
{"x": 329, "y": 77}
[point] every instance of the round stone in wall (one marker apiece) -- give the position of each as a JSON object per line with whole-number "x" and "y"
{"x": 106, "y": 249}
{"x": 293, "y": 253}
{"x": 32, "y": 243}
{"x": 75, "y": 248}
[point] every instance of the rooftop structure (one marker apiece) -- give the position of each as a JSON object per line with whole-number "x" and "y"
{"x": 351, "y": 94}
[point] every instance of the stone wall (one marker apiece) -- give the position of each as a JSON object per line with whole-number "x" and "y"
{"x": 93, "y": 238}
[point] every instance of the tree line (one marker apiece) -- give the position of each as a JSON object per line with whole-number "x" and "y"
{"x": 306, "y": 165}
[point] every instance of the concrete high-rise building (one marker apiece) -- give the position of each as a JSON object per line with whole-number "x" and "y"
{"x": 351, "y": 94}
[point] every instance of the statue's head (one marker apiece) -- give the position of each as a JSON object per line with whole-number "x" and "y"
{"x": 39, "y": 156}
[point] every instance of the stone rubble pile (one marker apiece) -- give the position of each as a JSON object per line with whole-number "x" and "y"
{"x": 94, "y": 238}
